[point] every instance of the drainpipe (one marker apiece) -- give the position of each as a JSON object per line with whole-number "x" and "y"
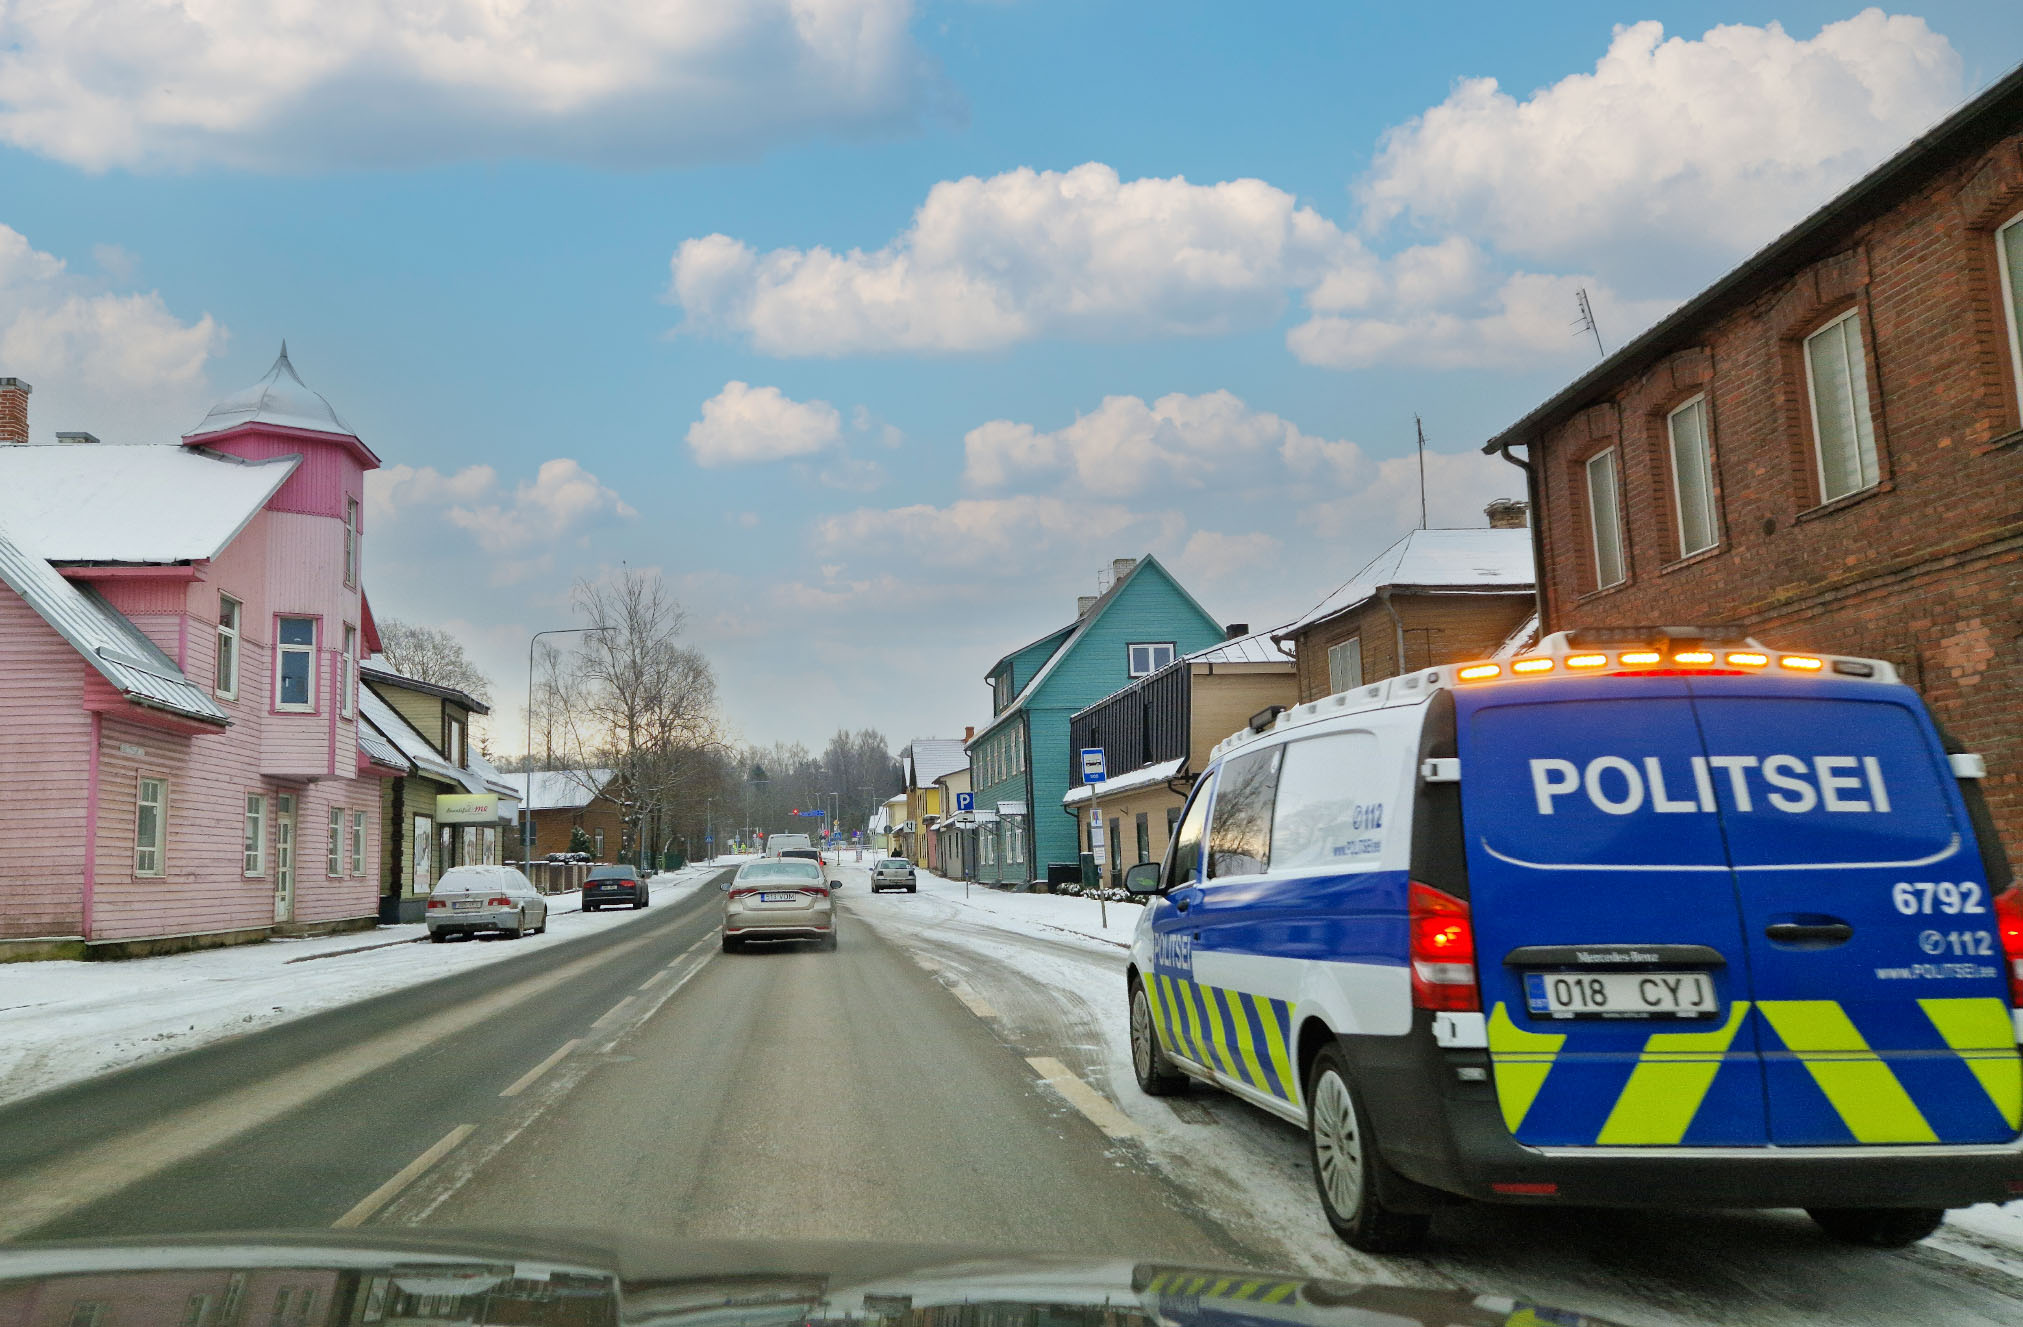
{"x": 91, "y": 827}
{"x": 1397, "y": 625}
{"x": 1532, "y": 520}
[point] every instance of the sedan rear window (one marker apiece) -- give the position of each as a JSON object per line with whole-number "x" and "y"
{"x": 781, "y": 870}
{"x": 613, "y": 873}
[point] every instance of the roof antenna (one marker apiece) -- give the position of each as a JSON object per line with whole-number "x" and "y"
{"x": 1422, "y": 470}
{"x": 1586, "y": 321}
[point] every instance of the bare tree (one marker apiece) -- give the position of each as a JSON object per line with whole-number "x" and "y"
{"x": 430, "y": 654}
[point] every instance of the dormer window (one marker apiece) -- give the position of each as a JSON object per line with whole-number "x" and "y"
{"x": 453, "y": 740}
{"x": 350, "y": 542}
{"x": 1149, "y": 659}
{"x": 295, "y": 664}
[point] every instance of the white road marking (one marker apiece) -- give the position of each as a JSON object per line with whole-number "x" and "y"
{"x": 614, "y": 1013}
{"x": 972, "y": 1000}
{"x": 526, "y": 1080}
{"x": 407, "y": 1175}
{"x": 1099, "y": 1109}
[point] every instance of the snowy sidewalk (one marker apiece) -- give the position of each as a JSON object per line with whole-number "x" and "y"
{"x": 1040, "y": 914}
{"x": 64, "y": 1020}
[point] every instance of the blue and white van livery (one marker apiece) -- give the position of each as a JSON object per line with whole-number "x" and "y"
{"x": 1647, "y": 918}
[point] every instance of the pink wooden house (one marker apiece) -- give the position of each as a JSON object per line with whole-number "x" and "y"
{"x": 180, "y": 631}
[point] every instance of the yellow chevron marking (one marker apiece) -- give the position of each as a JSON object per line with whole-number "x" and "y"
{"x": 1274, "y": 1044}
{"x": 1176, "y": 1027}
{"x": 1162, "y": 1013}
{"x": 1246, "y": 1044}
{"x": 1670, "y": 1081}
{"x": 1871, "y": 1102}
{"x": 1211, "y": 1014}
{"x": 1281, "y": 1292}
{"x": 1183, "y": 990}
{"x": 1981, "y": 1033}
{"x": 1522, "y": 1059}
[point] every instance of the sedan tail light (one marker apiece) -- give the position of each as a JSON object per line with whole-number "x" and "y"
{"x": 2009, "y": 921}
{"x": 437, "y": 903}
{"x": 498, "y": 901}
{"x": 1443, "y": 951}
{"x": 819, "y": 891}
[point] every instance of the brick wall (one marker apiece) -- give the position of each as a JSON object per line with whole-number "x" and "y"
{"x": 1925, "y": 568}
{"x": 1439, "y": 629}
{"x": 551, "y": 829}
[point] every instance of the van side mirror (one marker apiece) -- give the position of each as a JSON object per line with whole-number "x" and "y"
{"x": 1142, "y": 879}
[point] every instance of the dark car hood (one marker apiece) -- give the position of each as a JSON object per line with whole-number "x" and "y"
{"x": 397, "y": 1278}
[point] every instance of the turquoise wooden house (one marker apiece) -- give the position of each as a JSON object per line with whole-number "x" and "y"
{"x": 1021, "y": 764}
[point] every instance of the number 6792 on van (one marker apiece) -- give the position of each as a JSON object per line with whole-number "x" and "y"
{"x": 1642, "y": 919}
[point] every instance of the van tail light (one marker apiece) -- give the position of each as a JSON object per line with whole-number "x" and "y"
{"x": 2009, "y": 921}
{"x": 498, "y": 901}
{"x": 1443, "y": 951}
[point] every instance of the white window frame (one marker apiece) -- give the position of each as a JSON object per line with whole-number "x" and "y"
{"x": 333, "y": 856}
{"x": 1706, "y": 474}
{"x": 350, "y": 542}
{"x": 281, "y": 651}
{"x": 1131, "y": 656}
{"x": 358, "y": 843}
{"x": 456, "y": 741}
{"x": 1857, "y": 368}
{"x": 253, "y": 842}
{"x": 227, "y": 679}
{"x": 1615, "y": 532}
{"x": 1338, "y": 677}
{"x": 348, "y": 699}
{"x": 150, "y": 859}
{"x": 2012, "y": 302}
{"x": 1015, "y": 840}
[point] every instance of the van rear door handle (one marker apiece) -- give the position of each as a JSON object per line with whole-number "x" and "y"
{"x": 1818, "y": 933}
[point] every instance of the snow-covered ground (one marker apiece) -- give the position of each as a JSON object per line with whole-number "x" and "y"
{"x": 61, "y": 1021}
{"x": 1049, "y": 972}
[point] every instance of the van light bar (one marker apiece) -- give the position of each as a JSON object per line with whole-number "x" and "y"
{"x": 1587, "y": 661}
{"x": 1480, "y": 672}
{"x": 1640, "y": 657}
{"x": 1747, "y": 659}
{"x": 1694, "y": 657}
{"x": 1532, "y": 666}
{"x": 1803, "y": 663}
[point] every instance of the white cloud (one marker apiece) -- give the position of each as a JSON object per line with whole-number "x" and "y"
{"x": 120, "y": 365}
{"x": 991, "y": 262}
{"x": 247, "y": 83}
{"x": 743, "y": 425}
{"x": 1125, "y": 447}
{"x": 1212, "y": 556}
{"x": 1722, "y": 140}
{"x": 518, "y": 529}
{"x": 1386, "y": 504}
{"x": 1003, "y": 535}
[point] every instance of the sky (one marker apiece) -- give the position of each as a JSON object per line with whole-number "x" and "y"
{"x": 879, "y": 327}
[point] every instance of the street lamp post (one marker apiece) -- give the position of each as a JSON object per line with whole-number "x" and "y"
{"x": 527, "y": 806}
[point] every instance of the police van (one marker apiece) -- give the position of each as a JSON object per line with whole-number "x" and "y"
{"x": 1647, "y": 918}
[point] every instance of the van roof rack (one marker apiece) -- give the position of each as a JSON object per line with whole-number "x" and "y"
{"x": 1596, "y": 636}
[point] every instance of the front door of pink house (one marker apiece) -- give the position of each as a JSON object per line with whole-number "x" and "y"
{"x": 284, "y": 858}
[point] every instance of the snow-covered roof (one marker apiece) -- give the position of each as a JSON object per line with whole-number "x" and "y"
{"x": 280, "y": 398}
{"x": 1460, "y": 560}
{"x": 494, "y": 780}
{"x": 936, "y": 756}
{"x": 115, "y": 647}
{"x": 416, "y": 748}
{"x": 558, "y": 789}
{"x": 1520, "y": 640}
{"x": 381, "y": 671}
{"x": 379, "y": 748}
{"x": 1254, "y": 648}
{"x": 110, "y": 502}
{"x": 1123, "y": 783}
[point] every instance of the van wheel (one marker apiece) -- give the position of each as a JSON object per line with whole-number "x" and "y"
{"x": 1347, "y": 1166}
{"x": 1878, "y": 1227}
{"x": 1155, "y": 1073}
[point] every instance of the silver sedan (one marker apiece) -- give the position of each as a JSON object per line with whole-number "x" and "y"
{"x": 782, "y": 898}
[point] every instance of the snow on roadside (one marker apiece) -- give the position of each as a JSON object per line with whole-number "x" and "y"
{"x": 66, "y": 1020}
{"x": 1041, "y": 914}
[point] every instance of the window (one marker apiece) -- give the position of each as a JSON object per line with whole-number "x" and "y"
{"x": 1147, "y": 659}
{"x": 1239, "y": 837}
{"x": 453, "y": 740}
{"x": 1144, "y": 836}
{"x": 350, "y": 541}
{"x": 149, "y": 815}
{"x": 295, "y": 663}
{"x": 1345, "y": 665}
{"x": 1692, "y": 476}
{"x": 358, "y": 843}
{"x": 1015, "y": 840}
{"x": 1605, "y": 519}
{"x": 1116, "y": 848}
{"x": 1184, "y": 864}
{"x": 1836, "y": 378}
{"x": 1001, "y": 690}
{"x": 424, "y": 845}
{"x": 256, "y": 834}
{"x": 597, "y": 844}
{"x": 2009, "y": 261}
{"x": 229, "y": 610}
{"x": 1331, "y": 804}
{"x": 333, "y": 861}
{"x": 349, "y": 681}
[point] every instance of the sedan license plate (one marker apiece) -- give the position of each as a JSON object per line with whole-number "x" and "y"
{"x": 778, "y": 898}
{"x": 466, "y": 905}
{"x": 1620, "y": 995}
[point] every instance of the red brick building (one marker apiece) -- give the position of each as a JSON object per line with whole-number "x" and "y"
{"x": 1826, "y": 446}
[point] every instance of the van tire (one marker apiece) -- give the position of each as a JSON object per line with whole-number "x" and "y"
{"x": 1349, "y": 1171}
{"x": 1878, "y": 1227}
{"x": 1155, "y": 1073}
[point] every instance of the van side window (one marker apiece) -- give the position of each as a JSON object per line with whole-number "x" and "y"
{"x": 1332, "y": 811}
{"x": 1239, "y": 837}
{"x": 1184, "y": 866}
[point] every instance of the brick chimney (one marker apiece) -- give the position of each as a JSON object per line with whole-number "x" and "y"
{"x": 14, "y": 410}
{"x": 1507, "y": 514}
{"x": 969, "y": 732}
{"x": 1235, "y": 629}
